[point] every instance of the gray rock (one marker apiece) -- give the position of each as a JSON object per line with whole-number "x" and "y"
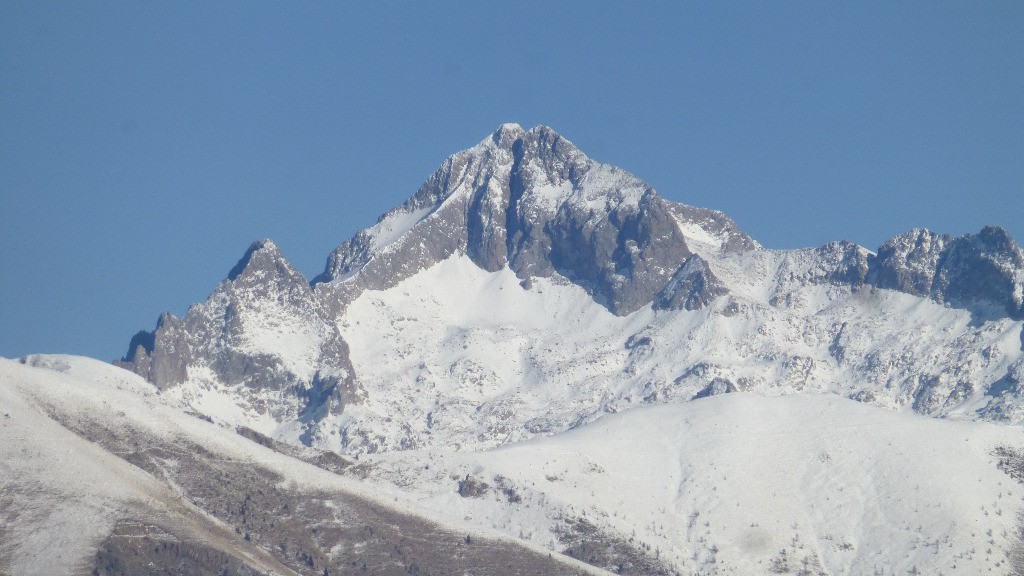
{"x": 692, "y": 287}
{"x": 980, "y": 272}
{"x": 716, "y": 387}
{"x": 214, "y": 335}
{"x": 717, "y": 224}
{"x": 532, "y": 201}
{"x": 908, "y": 262}
{"x": 846, "y": 264}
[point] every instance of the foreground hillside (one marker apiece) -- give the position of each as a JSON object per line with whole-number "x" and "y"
{"x": 99, "y": 476}
{"x": 100, "y": 472}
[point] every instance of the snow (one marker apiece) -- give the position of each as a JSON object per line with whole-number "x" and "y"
{"x": 455, "y": 335}
{"x": 68, "y": 492}
{"x": 604, "y": 183}
{"x": 275, "y": 330}
{"x": 549, "y": 197}
{"x": 853, "y": 485}
{"x": 82, "y": 368}
{"x": 536, "y": 388}
{"x": 456, "y": 356}
{"x": 206, "y": 395}
{"x": 696, "y": 234}
{"x": 395, "y": 225}
{"x": 467, "y": 372}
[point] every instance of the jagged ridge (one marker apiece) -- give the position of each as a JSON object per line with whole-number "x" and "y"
{"x": 530, "y": 203}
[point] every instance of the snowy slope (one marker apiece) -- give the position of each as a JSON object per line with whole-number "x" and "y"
{"x": 98, "y": 472}
{"x": 61, "y": 494}
{"x": 744, "y": 483}
{"x": 459, "y": 357}
{"x": 93, "y": 488}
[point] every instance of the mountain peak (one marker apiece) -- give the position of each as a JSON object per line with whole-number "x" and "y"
{"x": 532, "y": 201}
{"x": 260, "y": 253}
{"x": 506, "y": 135}
{"x": 539, "y": 138}
{"x": 996, "y": 238}
{"x": 579, "y": 236}
{"x": 263, "y": 263}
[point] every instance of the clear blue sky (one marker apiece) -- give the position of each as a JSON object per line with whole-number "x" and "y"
{"x": 144, "y": 145}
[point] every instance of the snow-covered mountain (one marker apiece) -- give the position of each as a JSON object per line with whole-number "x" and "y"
{"x": 536, "y": 353}
{"x": 526, "y": 289}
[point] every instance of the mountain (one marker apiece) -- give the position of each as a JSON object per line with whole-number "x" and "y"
{"x": 526, "y": 289}
{"x": 536, "y": 364}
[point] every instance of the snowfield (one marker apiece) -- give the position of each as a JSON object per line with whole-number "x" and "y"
{"x": 748, "y": 484}
{"x": 459, "y": 357}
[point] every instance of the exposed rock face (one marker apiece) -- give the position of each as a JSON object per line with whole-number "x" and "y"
{"x": 844, "y": 263}
{"x": 720, "y": 226}
{"x": 436, "y": 222}
{"x": 715, "y": 387}
{"x": 987, "y": 267}
{"x": 908, "y": 262}
{"x": 983, "y": 270}
{"x": 262, "y": 328}
{"x": 594, "y": 224}
{"x": 692, "y": 287}
{"x": 532, "y": 201}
